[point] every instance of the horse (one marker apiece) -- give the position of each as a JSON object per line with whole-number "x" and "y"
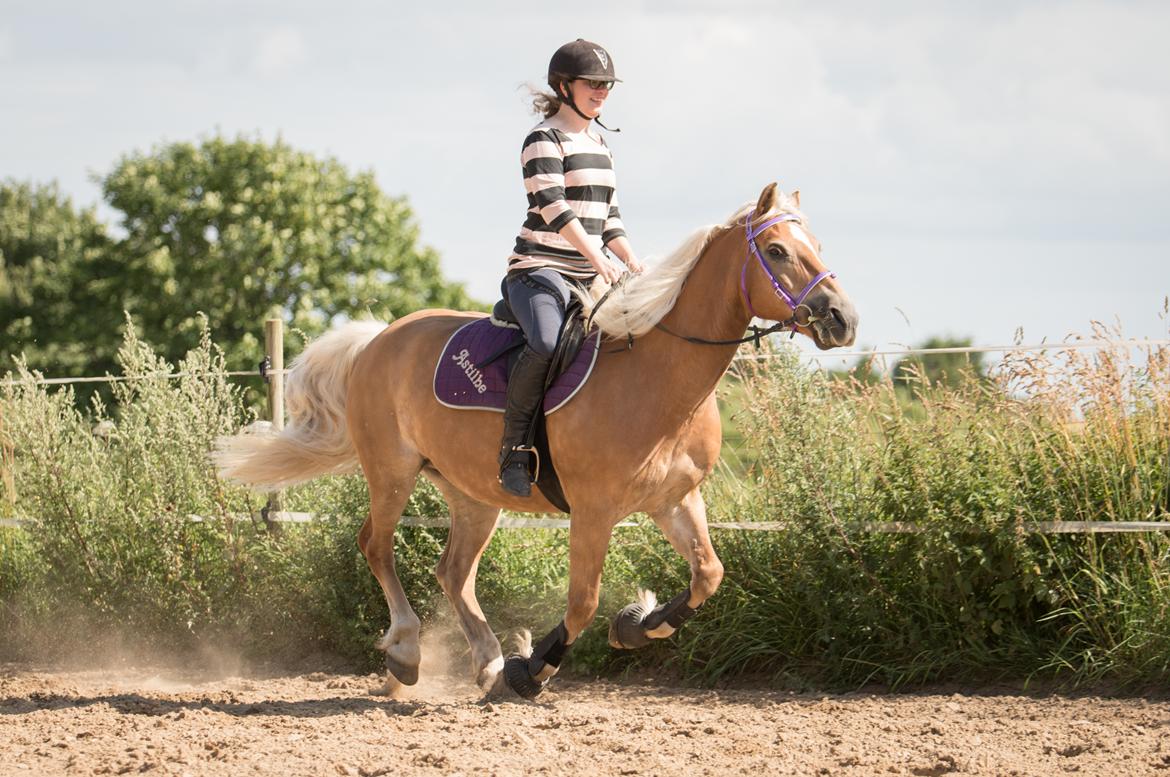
{"x": 640, "y": 436}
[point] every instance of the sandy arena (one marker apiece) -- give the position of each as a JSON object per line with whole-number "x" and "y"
{"x": 143, "y": 722}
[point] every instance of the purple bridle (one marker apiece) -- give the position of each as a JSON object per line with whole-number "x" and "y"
{"x": 795, "y": 303}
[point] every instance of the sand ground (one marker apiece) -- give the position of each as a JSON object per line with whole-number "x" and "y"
{"x": 144, "y": 721}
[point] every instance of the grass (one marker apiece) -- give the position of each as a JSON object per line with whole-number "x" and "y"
{"x": 825, "y": 603}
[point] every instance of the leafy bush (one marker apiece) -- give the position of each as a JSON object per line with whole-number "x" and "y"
{"x": 969, "y": 465}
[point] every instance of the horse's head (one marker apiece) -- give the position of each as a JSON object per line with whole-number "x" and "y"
{"x": 783, "y": 278}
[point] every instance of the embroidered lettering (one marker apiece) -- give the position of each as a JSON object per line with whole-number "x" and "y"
{"x": 463, "y": 359}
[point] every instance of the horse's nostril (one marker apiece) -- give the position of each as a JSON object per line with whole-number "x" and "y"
{"x": 838, "y": 317}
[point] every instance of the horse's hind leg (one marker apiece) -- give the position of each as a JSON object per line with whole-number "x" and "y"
{"x": 685, "y": 526}
{"x": 389, "y": 492}
{"x": 472, "y": 525}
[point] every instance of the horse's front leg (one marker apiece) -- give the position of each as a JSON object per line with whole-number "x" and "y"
{"x": 527, "y": 672}
{"x": 685, "y": 525}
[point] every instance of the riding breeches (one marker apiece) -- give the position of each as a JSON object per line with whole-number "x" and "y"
{"x": 538, "y": 299}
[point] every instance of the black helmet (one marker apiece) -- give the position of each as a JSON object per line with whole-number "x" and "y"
{"x": 580, "y": 59}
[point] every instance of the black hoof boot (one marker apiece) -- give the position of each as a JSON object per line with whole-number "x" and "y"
{"x": 515, "y": 480}
{"x": 626, "y": 631}
{"x": 518, "y": 679}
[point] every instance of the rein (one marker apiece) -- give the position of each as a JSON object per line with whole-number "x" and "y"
{"x": 756, "y": 335}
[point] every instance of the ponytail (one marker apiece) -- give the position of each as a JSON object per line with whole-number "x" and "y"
{"x": 546, "y": 102}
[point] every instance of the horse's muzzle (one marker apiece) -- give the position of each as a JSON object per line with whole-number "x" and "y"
{"x": 833, "y": 323}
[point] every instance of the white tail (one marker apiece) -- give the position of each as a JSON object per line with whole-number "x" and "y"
{"x": 316, "y": 441}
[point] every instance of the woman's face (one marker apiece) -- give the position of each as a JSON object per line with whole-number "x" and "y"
{"x": 587, "y": 97}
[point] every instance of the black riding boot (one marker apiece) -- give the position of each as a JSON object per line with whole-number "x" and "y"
{"x": 525, "y": 393}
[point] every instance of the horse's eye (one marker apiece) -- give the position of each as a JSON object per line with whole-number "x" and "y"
{"x": 776, "y": 252}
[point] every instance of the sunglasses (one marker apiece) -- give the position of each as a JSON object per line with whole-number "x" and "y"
{"x": 594, "y": 84}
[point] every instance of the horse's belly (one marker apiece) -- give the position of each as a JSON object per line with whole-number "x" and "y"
{"x": 629, "y": 464}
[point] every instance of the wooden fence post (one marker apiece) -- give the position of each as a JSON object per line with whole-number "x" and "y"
{"x": 274, "y": 355}
{"x": 274, "y": 348}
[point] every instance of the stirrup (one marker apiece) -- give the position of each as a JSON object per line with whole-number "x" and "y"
{"x": 524, "y": 449}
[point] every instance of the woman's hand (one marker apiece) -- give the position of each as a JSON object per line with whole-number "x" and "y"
{"x": 608, "y": 271}
{"x": 635, "y": 266}
{"x": 575, "y": 234}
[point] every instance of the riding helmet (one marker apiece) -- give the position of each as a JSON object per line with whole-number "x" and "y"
{"x": 581, "y": 59}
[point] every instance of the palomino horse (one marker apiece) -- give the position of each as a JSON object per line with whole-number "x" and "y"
{"x": 641, "y": 435}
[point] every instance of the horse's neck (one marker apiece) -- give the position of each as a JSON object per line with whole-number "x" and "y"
{"x": 709, "y": 307}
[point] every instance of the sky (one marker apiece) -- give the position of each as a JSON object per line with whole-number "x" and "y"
{"x": 971, "y": 169}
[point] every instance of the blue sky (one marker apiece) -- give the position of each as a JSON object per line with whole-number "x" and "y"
{"x": 969, "y": 168}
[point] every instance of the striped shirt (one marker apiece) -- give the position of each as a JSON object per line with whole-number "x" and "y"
{"x": 567, "y": 176}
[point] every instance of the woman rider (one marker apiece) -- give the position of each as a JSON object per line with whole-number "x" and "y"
{"x": 572, "y": 219}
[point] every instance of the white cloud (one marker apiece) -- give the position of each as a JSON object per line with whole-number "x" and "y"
{"x": 280, "y": 49}
{"x": 913, "y": 129}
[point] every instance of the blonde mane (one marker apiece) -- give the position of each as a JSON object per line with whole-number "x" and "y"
{"x": 643, "y": 300}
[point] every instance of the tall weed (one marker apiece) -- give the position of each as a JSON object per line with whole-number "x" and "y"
{"x": 906, "y": 554}
{"x": 960, "y": 587}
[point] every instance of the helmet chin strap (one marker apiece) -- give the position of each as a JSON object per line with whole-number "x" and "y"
{"x": 567, "y": 99}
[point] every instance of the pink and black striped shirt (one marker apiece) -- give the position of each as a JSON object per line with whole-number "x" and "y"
{"x": 567, "y": 176}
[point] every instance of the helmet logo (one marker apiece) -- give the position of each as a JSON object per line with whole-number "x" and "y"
{"x": 601, "y": 55}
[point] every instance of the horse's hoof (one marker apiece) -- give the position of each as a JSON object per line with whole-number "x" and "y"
{"x": 626, "y": 631}
{"x": 499, "y": 690}
{"x": 518, "y": 679}
{"x": 407, "y": 675}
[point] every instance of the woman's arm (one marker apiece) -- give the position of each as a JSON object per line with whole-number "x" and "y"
{"x": 624, "y": 251}
{"x": 544, "y": 178}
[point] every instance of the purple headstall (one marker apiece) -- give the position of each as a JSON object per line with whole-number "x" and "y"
{"x": 795, "y": 303}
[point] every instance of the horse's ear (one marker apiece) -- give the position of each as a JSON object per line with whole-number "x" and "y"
{"x": 767, "y": 199}
{"x": 796, "y": 197}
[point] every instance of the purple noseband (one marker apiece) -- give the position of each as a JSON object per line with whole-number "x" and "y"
{"x": 795, "y": 303}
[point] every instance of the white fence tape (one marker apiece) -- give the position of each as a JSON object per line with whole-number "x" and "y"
{"x": 740, "y": 357}
{"x": 1079, "y": 344}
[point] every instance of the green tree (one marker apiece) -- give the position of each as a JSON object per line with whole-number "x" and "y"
{"x": 55, "y": 284}
{"x": 242, "y": 230}
{"x": 948, "y": 369}
{"x": 864, "y": 370}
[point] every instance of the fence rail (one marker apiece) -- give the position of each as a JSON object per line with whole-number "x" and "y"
{"x": 873, "y": 527}
{"x": 1082, "y": 344}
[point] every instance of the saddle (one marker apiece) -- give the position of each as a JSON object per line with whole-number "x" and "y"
{"x": 473, "y": 368}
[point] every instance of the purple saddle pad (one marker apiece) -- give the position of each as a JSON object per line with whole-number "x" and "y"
{"x": 461, "y": 382}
